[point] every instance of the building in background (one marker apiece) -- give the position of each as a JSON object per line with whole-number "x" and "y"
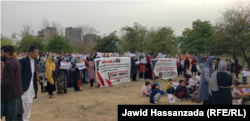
{"x": 74, "y": 35}
{"x": 47, "y": 33}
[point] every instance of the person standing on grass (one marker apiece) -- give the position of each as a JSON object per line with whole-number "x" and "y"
{"x": 194, "y": 69}
{"x": 232, "y": 65}
{"x": 237, "y": 67}
{"x": 50, "y": 75}
{"x": 11, "y": 87}
{"x": 206, "y": 74}
{"x": 141, "y": 69}
{"x": 91, "y": 74}
{"x": 148, "y": 73}
{"x": 29, "y": 80}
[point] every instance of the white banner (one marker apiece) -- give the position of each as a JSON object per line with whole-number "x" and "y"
{"x": 127, "y": 54}
{"x": 65, "y": 65}
{"x": 164, "y": 68}
{"x": 81, "y": 65}
{"x": 74, "y": 55}
{"x": 144, "y": 60}
{"x": 112, "y": 71}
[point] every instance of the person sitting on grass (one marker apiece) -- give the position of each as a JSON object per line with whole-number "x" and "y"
{"x": 186, "y": 72}
{"x": 238, "y": 94}
{"x": 186, "y": 81}
{"x": 198, "y": 78}
{"x": 146, "y": 89}
{"x": 191, "y": 91}
{"x": 236, "y": 80}
{"x": 246, "y": 90}
{"x": 156, "y": 93}
{"x": 181, "y": 91}
{"x": 170, "y": 87}
{"x": 228, "y": 70}
{"x": 195, "y": 96}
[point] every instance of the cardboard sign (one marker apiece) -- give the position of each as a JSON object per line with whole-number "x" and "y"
{"x": 171, "y": 98}
{"x": 65, "y": 65}
{"x": 238, "y": 102}
{"x": 83, "y": 57}
{"x": 81, "y": 65}
{"x": 144, "y": 60}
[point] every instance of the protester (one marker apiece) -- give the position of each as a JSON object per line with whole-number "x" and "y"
{"x": 134, "y": 68}
{"x": 141, "y": 68}
{"x": 194, "y": 69}
{"x": 50, "y": 75}
{"x": 186, "y": 64}
{"x": 41, "y": 70}
{"x": 186, "y": 72}
{"x": 75, "y": 73}
{"x": 2, "y": 67}
{"x": 2, "y": 48}
{"x": 148, "y": 73}
{"x": 207, "y": 71}
{"x": 145, "y": 90}
{"x": 61, "y": 78}
{"x": 191, "y": 90}
{"x": 156, "y": 93}
{"x": 11, "y": 86}
{"x": 181, "y": 91}
{"x": 232, "y": 68}
{"x": 91, "y": 74}
{"x": 156, "y": 79}
{"x": 29, "y": 80}
{"x": 170, "y": 87}
{"x": 180, "y": 66}
{"x": 245, "y": 74}
{"x": 237, "y": 67}
{"x": 217, "y": 63}
{"x": 219, "y": 86}
{"x": 246, "y": 90}
{"x": 85, "y": 71}
{"x": 238, "y": 94}
{"x": 195, "y": 96}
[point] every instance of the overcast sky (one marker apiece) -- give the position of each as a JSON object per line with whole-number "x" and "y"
{"x": 108, "y": 16}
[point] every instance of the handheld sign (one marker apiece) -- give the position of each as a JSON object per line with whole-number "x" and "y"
{"x": 160, "y": 55}
{"x": 175, "y": 85}
{"x": 80, "y": 65}
{"x": 171, "y": 98}
{"x": 144, "y": 60}
{"x": 238, "y": 102}
{"x": 65, "y": 65}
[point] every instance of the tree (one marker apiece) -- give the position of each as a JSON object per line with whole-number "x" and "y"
{"x": 26, "y": 30}
{"x": 45, "y": 23}
{"x": 59, "y": 28}
{"x": 30, "y": 40}
{"x": 233, "y": 32}
{"x": 5, "y": 41}
{"x": 59, "y": 44}
{"x": 162, "y": 40}
{"x": 195, "y": 40}
{"x": 107, "y": 43}
{"x": 86, "y": 29}
{"x": 133, "y": 38}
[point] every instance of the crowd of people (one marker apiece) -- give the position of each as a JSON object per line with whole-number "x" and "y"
{"x": 20, "y": 73}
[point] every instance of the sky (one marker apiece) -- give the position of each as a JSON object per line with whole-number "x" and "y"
{"x": 109, "y": 16}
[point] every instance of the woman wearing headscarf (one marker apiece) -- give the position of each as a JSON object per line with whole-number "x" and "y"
{"x": 133, "y": 68}
{"x": 232, "y": 68}
{"x": 219, "y": 86}
{"x": 41, "y": 70}
{"x": 237, "y": 68}
{"x": 75, "y": 73}
{"x": 141, "y": 68}
{"x": 61, "y": 78}
{"x": 148, "y": 73}
{"x": 180, "y": 66}
{"x": 206, "y": 74}
{"x": 91, "y": 58}
{"x": 194, "y": 70}
{"x": 91, "y": 74}
{"x": 50, "y": 75}
{"x": 186, "y": 64}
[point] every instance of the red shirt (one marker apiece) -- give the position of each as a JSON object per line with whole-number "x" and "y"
{"x": 86, "y": 63}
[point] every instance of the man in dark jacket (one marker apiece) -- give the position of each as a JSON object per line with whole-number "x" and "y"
{"x": 11, "y": 87}
{"x": 29, "y": 80}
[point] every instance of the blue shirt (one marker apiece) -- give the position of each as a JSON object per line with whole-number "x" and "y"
{"x": 153, "y": 93}
{"x": 156, "y": 82}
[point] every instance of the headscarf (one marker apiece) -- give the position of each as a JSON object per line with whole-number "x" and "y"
{"x": 233, "y": 62}
{"x": 194, "y": 61}
{"x": 73, "y": 60}
{"x": 187, "y": 62}
{"x": 50, "y": 67}
{"x": 208, "y": 64}
{"x": 91, "y": 59}
{"x": 148, "y": 58}
{"x": 213, "y": 85}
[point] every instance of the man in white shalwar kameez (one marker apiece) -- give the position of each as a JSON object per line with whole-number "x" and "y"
{"x": 28, "y": 70}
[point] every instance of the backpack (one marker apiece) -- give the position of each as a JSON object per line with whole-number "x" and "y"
{"x": 195, "y": 97}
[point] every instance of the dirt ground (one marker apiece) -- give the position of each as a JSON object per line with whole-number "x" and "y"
{"x": 94, "y": 104}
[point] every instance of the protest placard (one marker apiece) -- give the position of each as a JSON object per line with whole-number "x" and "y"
{"x": 81, "y": 65}
{"x": 65, "y": 65}
{"x": 137, "y": 62}
{"x": 116, "y": 54}
{"x": 143, "y": 60}
{"x": 160, "y": 55}
{"x": 171, "y": 98}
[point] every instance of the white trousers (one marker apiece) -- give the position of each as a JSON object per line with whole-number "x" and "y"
{"x": 27, "y": 111}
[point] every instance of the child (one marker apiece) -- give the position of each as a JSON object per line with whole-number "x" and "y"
{"x": 246, "y": 90}
{"x": 181, "y": 91}
{"x": 170, "y": 87}
{"x": 228, "y": 70}
{"x": 236, "y": 80}
{"x": 145, "y": 90}
{"x": 187, "y": 72}
{"x": 198, "y": 78}
{"x": 245, "y": 74}
{"x": 186, "y": 81}
{"x": 191, "y": 91}
{"x": 175, "y": 84}
{"x": 156, "y": 81}
{"x": 195, "y": 96}
{"x": 156, "y": 93}
{"x": 192, "y": 82}
{"x": 238, "y": 94}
